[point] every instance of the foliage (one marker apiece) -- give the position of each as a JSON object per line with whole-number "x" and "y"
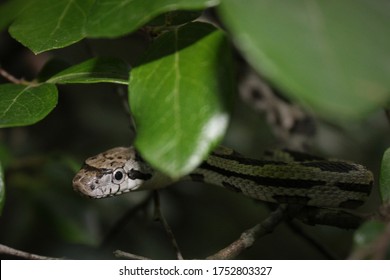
{"x": 335, "y": 49}
{"x": 329, "y": 56}
{"x": 194, "y": 98}
{"x": 24, "y": 104}
{"x": 328, "y": 53}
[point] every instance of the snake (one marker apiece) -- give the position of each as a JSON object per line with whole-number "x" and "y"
{"x": 280, "y": 176}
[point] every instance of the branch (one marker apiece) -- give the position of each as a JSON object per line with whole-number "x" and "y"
{"x": 21, "y": 254}
{"x": 13, "y": 79}
{"x": 126, "y": 255}
{"x": 309, "y": 239}
{"x": 248, "y": 237}
{"x": 118, "y": 226}
{"x": 159, "y": 216}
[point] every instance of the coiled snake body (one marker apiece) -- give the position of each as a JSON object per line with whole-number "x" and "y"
{"x": 281, "y": 177}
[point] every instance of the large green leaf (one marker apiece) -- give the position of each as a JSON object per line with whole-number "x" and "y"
{"x": 110, "y": 18}
{"x": 331, "y": 55}
{"x": 180, "y": 97}
{"x": 95, "y": 70}
{"x": 11, "y": 9}
{"x": 384, "y": 180}
{"x": 2, "y": 189}
{"x": 49, "y": 24}
{"x": 25, "y": 105}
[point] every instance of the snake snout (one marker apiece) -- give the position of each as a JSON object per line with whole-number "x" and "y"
{"x": 79, "y": 185}
{"x": 84, "y": 185}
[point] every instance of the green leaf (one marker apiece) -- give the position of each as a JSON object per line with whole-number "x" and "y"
{"x": 2, "y": 189}
{"x": 330, "y": 55}
{"x": 11, "y": 9}
{"x": 180, "y": 97}
{"x": 49, "y": 24}
{"x": 384, "y": 179}
{"x": 115, "y": 18}
{"x": 95, "y": 70}
{"x": 24, "y": 105}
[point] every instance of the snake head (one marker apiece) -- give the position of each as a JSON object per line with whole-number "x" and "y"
{"x": 113, "y": 172}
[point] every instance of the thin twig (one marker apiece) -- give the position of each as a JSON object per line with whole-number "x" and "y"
{"x": 11, "y": 78}
{"x": 120, "y": 224}
{"x": 21, "y": 254}
{"x": 167, "y": 228}
{"x": 248, "y": 237}
{"x": 310, "y": 240}
{"x": 126, "y": 255}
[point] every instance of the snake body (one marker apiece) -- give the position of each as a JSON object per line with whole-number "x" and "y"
{"x": 281, "y": 177}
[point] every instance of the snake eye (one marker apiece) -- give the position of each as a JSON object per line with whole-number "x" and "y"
{"x": 118, "y": 176}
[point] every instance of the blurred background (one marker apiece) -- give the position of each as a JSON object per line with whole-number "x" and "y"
{"x": 43, "y": 215}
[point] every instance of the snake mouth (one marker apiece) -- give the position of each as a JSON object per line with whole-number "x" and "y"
{"x": 88, "y": 180}
{"x": 80, "y": 186}
{"x": 85, "y": 185}
{"x": 85, "y": 189}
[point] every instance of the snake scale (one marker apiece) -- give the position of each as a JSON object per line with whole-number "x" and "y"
{"x": 281, "y": 177}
